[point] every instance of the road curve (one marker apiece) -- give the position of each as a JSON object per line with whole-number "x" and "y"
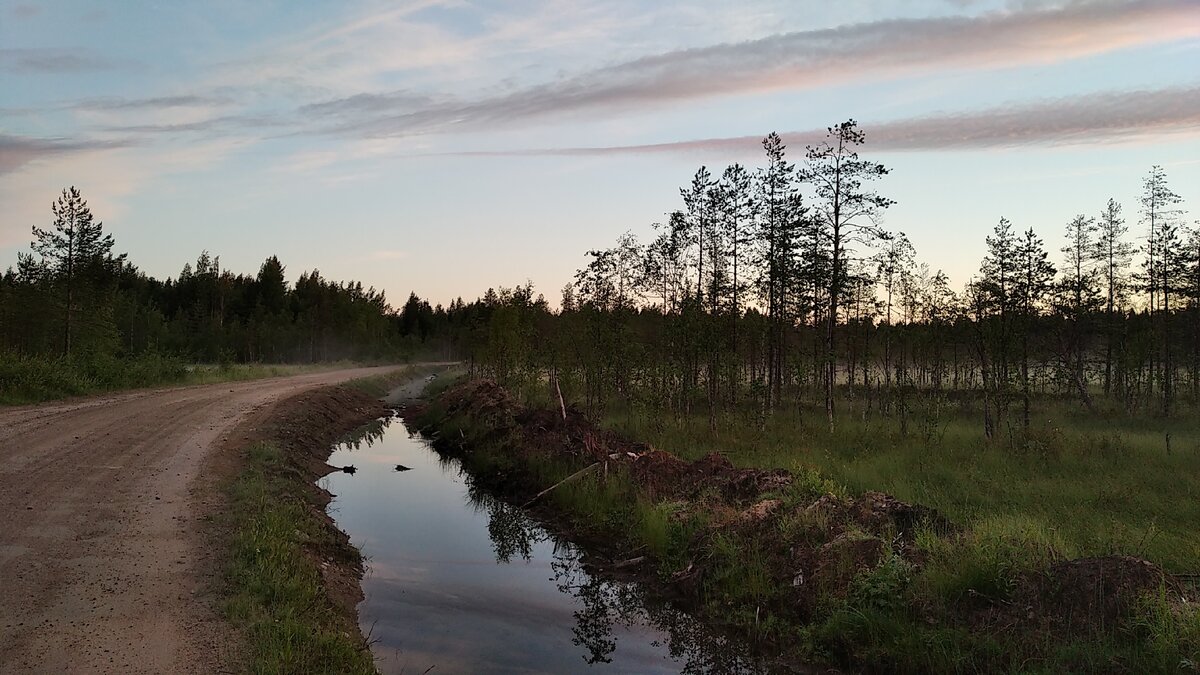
{"x": 103, "y": 563}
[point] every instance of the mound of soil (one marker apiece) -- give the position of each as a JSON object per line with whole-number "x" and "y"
{"x": 739, "y": 500}
{"x": 882, "y": 513}
{"x": 1090, "y": 594}
{"x": 484, "y": 401}
{"x": 835, "y": 564}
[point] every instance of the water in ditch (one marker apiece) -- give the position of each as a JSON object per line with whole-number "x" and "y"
{"x": 460, "y": 582}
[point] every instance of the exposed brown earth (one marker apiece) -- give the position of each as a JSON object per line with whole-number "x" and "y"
{"x": 106, "y": 563}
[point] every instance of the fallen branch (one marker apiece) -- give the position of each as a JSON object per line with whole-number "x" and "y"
{"x": 628, "y": 563}
{"x": 562, "y": 406}
{"x": 573, "y": 476}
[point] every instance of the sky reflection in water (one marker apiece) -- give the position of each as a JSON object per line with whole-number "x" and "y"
{"x": 462, "y": 582}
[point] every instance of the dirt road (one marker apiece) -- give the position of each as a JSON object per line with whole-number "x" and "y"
{"x": 103, "y": 563}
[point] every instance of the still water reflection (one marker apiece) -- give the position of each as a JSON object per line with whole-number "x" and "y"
{"x": 460, "y": 582}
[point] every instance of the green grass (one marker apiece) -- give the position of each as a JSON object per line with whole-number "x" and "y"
{"x": 33, "y": 379}
{"x": 274, "y": 591}
{"x": 1090, "y": 486}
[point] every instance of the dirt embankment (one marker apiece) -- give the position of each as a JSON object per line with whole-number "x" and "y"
{"x": 815, "y": 546}
{"x": 306, "y": 427}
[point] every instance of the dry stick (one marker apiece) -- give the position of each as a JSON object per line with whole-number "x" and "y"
{"x": 568, "y": 478}
{"x": 629, "y": 563}
{"x": 562, "y": 406}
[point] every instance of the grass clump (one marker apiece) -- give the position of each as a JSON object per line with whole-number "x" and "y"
{"x": 274, "y": 590}
{"x": 1169, "y": 633}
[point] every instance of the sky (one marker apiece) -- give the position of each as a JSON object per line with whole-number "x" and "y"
{"x": 446, "y": 146}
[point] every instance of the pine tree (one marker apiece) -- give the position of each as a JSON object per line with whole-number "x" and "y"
{"x": 1077, "y": 300}
{"x": 1159, "y": 213}
{"x": 849, "y": 210}
{"x": 993, "y": 302}
{"x": 1114, "y": 255}
{"x": 781, "y": 213}
{"x": 74, "y": 253}
{"x": 1034, "y": 275}
{"x": 894, "y": 263}
{"x": 739, "y": 211}
{"x": 1192, "y": 272}
{"x": 697, "y": 199}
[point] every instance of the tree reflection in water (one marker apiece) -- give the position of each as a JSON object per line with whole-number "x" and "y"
{"x": 511, "y": 531}
{"x": 365, "y": 436}
{"x": 603, "y": 604}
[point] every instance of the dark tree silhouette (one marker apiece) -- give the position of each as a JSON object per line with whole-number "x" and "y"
{"x": 74, "y": 253}
{"x": 850, "y": 211}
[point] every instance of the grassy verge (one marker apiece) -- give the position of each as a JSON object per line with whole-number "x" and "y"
{"x": 799, "y": 570}
{"x": 1085, "y": 485}
{"x": 28, "y": 379}
{"x": 275, "y": 593}
{"x": 291, "y": 577}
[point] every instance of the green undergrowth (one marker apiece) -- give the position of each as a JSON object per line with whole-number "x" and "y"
{"x": 274, "y": 591}
{"x": 895, "y": 616}
{"x": 33, "y": 379}
{"x": 1090, "y": 485}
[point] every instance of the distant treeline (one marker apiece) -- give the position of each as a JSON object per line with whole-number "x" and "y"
{"x": 74, "y": 296}
{"x": 770, "y": 287}
{"x": 779, "y": 286}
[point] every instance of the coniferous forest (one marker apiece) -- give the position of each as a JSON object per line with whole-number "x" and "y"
{"x": 780, "y": 286}
{"x": 75, "y": 295}
{"x": 770, "y": 287}
{"x": 773, "y": 323}
{"x": 1048, "y": 404}
{"x": 76, "y": 315}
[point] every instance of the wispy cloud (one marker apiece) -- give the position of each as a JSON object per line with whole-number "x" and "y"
{"x": 1094, "y": 118}
{"x": 48, "y": 61}
{"x": 17, "y": 151}
{"x": 25, "y": 11}
{"x": 374, "y": 102}
{"x": 152, "y": 103}
{"x": 215, "y": 126}
{"x": 329, "y": 58}
{"x": 110, "y": 173}
{"x": 799, "y": 60}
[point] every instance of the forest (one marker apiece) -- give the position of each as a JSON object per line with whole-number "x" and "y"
{"x": 78, "y": 316}
{"x": 771, "y": 288}
{"x": 779, "y": 287}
